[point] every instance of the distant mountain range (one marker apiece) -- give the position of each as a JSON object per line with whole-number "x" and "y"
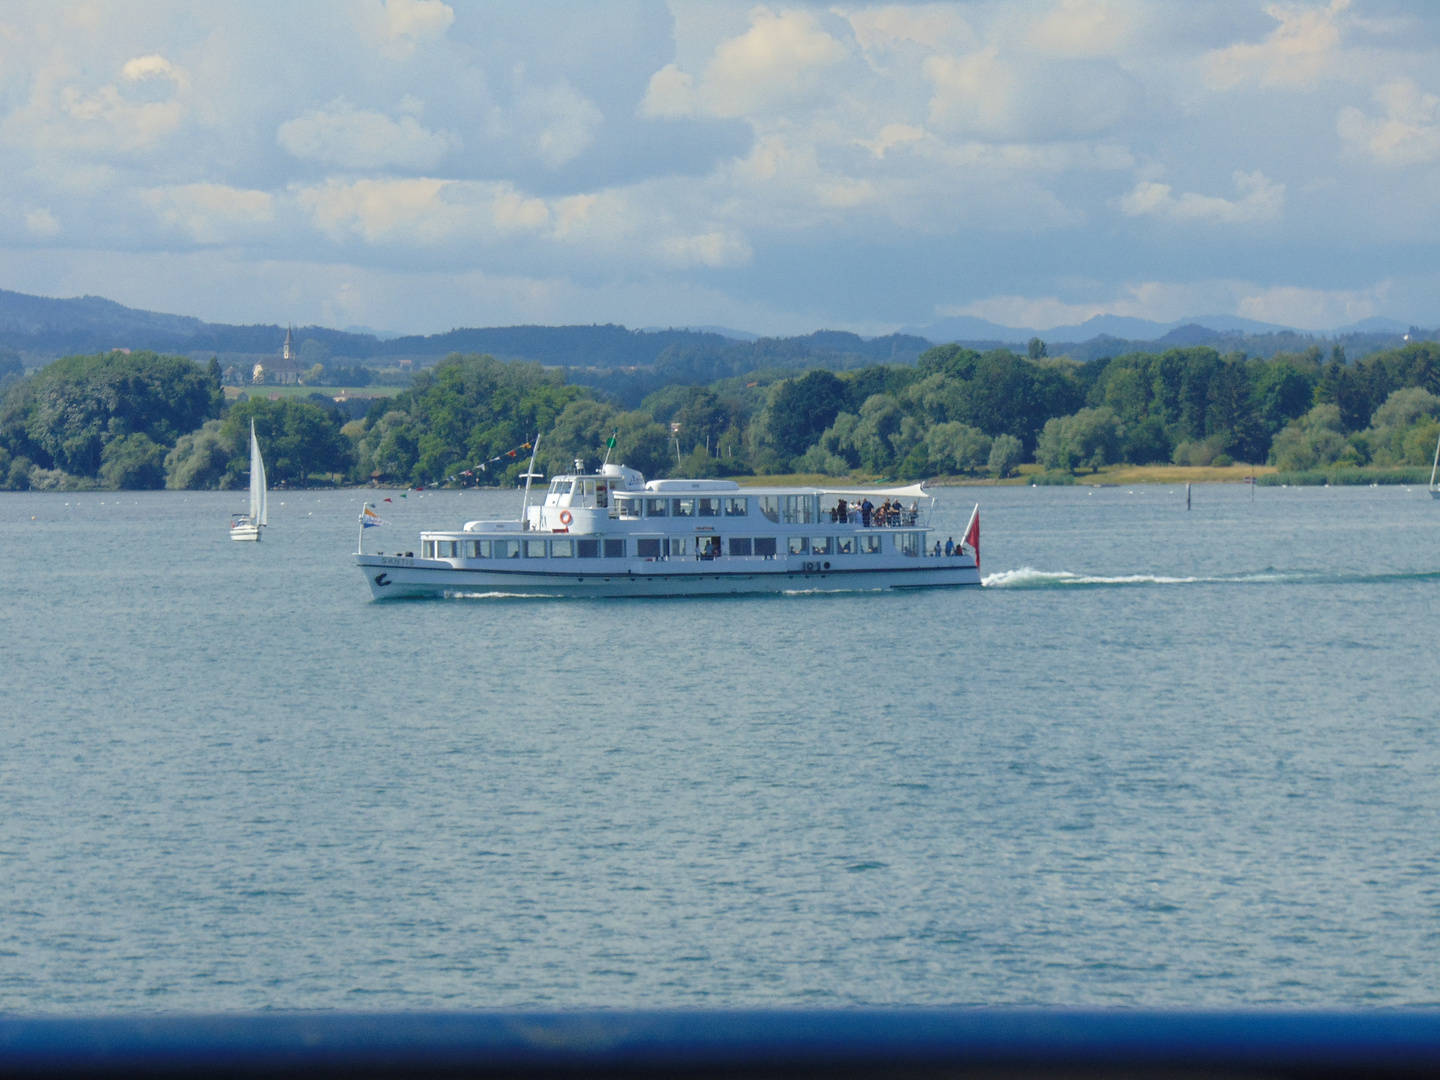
{"x": 42, "y": 328}
{"x": 1127, "y": 328}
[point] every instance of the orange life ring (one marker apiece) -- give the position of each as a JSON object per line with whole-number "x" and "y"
{"x": 566, "y": 517}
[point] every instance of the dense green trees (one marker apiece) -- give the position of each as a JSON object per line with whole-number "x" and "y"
{"x": 107, "y": 418}
{"x": 141, "y": 420}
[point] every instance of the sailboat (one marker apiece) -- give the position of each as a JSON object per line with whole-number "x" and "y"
{"x": 248, "y": 526}
{"x": 1435, "y": 491}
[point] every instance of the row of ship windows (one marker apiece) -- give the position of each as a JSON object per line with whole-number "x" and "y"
{"x": 704, "y": 547}
{"x": 786, "y": 509}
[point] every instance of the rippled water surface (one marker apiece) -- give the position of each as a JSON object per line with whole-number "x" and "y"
{"x": 1166, "y": 757}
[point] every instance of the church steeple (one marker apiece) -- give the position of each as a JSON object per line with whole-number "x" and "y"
{"x": 289, "y": 344}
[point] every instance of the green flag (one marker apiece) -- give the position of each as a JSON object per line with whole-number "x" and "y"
{"x": 610, "y": 445}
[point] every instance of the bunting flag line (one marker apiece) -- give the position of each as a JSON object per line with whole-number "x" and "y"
{"x": 507, "y": 457}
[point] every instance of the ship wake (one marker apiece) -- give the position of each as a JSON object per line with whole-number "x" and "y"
{"x": 1028, "y": 577}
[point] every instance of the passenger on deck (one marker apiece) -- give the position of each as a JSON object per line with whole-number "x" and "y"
{"x": 937, "y": 549}
{"x": 841, "y": 511}
{"x": 949, "y": 545}
{"x": 866, "y": 509}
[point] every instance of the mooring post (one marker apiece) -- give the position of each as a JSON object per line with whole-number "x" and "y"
{"x": 1187, "y": 496}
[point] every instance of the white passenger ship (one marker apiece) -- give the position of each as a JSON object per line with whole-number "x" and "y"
{"x": 612, "y": 534}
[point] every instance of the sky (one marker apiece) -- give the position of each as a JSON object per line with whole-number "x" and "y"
{"x": 417, "y": 165}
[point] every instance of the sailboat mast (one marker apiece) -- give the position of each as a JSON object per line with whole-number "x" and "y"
{"x": 1436, "y": 465}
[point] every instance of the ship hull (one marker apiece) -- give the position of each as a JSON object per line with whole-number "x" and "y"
{"x": 395, "y": 577}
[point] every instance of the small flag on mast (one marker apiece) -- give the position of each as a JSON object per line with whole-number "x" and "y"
{"x": 610, "y": 443}
{"x": 369, "y": 519}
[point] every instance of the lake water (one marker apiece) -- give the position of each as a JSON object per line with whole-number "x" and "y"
{"x": 1166, "y": 758}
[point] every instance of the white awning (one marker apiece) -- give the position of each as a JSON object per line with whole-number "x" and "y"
{"x": 914, "y": 491}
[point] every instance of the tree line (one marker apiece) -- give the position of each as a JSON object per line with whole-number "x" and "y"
{"x": 143, "y": 420}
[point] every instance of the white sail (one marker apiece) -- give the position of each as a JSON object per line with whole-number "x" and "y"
{"x": 259, "y": 511}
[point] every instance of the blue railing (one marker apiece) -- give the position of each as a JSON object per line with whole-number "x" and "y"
{"x": 860, "y": 1043}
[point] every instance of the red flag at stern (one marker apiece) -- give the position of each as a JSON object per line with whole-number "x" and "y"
{"x": 972, "y": 534}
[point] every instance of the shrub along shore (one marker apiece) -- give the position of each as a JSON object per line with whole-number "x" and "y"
{"x": 122, "y": 420}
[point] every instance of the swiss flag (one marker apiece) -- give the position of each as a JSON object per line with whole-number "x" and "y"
{"x": 972, "y": 534}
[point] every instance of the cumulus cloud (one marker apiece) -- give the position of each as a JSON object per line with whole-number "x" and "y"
{"x": 1087, "y": 28}
{"x": 403, "y": 25}
{"x": 423, "y": 212}
{"x": 671, "y": 93}
{"x": 769, "y": 65}
{"x": 1016, "y": 98}
{"x": 1312, "y": 309}
{"x": 561, "y": 123}
{"x": 353, "y": 138}
{"x": 128, "y": 117}
{"x": 936, "y": 26}
{"x": 1296, "y": 53}
{"x": 1261, "y": 199}
{"x": 1408, "y": 133}
{"x": 211, "y": 213}
{"x": 41, "y": 222}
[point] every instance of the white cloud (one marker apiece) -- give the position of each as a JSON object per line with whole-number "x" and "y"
{"x": 936, "y": 26}
{"x": 769, "y": 65}
{"x": 359, "y": 139}
{"x": 1087, "y": 28}
{"x": 423, "y": 212}
{"x": 61, "y": 116}
{"x": 1296, "y": 54}
{"x": 671, "y": 93}
{"x": 1312, "y": 309}
{"x": 1407, "y": 134}
{"x": 1169, "y": 301}
{"x": 402, "y": 25}
{"x": 41, "y": 222}
{"x": 212, "y": 213}
{"x": 1018, "y": 98}
{"x": 561, "y": 122}
{"x": 1261, "y": 200}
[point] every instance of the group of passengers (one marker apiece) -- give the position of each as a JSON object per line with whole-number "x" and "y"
{"x": 868, "y": 515}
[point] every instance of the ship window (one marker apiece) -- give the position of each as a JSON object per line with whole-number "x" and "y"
{"x": 427, "y": 549}
{"x": 628, "y": 508}
{"x": 648, "y": 547}
{"x": 534, "y": 549}
{"x": 656, "y": 507}
{"x": 447, "y": 549}
{"x": 477, "y": 549}
{"x": 799, "y": 545}
{"x": 740, "y": 545}
{"x": 737, "y": 507}
{"x": 907, "y": 543}
{"x": 821, "y": 545}
{"x": 679, "y": 545}
{"x": 614, "y": 549}
{"x": 765, "y": 545}
{"x": 682, "y": 507}
{"x": 869, "y": 544}
{"x": 562, "y": 549}
{"x": 799, "y": 509}
{"x": 600, "y": 495}
{"x": 505, "y": 549}
{"x": 587, "y": 549}
{"x": 560, "y": 487}
{"x": 708, "y": 508}
{"x": 845, "y": 545}
{"x": 770, "y": 507}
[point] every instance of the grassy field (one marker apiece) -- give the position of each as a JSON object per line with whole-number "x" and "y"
{"x": 274, "y": 392}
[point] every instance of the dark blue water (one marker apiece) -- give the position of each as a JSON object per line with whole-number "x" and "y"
{"x": 1166, "y": 758}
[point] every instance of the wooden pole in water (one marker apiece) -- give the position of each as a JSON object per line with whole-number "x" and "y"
{"x": 1187, "y": 496}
